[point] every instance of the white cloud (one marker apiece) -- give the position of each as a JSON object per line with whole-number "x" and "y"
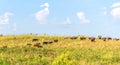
{"x": 82, "y": 17}
{"x": 45, "y": 5}
{"x": 116, "y": 4}
{"x": 115, "y": 12}
{"x": 4, "y": 19}
{"x": 67, "y": 21}
{"x": 42, "y": 15}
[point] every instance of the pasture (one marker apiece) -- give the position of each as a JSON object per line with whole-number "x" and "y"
{"x": 58, "y": 50}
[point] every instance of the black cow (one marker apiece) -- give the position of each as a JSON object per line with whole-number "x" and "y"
{"x": 45, "y": 42}
{"x": 109, "y": 38}
{"x": 40, "y": 46}
{"x": 33, "y": 40}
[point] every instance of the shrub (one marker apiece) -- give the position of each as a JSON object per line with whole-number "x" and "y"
{"x": 64, "y": 59}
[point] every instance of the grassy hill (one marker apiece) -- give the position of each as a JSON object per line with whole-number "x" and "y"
{"x": 57, "y": 50}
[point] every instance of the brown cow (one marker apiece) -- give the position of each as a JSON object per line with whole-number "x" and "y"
{"x": 37, "y": 44}
{"x": 56, "y": 40}
{"x": 73, "y": 38}
{"x": 104, "y": 39}
{"x": 82, "y": 38}
{"x": 28, "y": 44}
{"x": 92, "y": 39}
{"x": 50, "y": 42}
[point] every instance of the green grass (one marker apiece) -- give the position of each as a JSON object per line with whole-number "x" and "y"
{"x": 14, "y": 51}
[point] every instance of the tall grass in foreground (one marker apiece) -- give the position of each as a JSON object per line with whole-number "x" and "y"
{"x": 14, "y": 51}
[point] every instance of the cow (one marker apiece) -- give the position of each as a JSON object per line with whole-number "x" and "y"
{"x": 82, "y": 38}
{"x": 92, "y": 39}
{"x": 56, "y": 40}
{"x": 104, "y": 39}
{"x": 50, "y": 42}
{"x": 37, "y": 44}
{"x": 45, "y": 42}
{"x": 33, "y": 40}
{"x": 40, "y": 46}
{"x": 28, "y": 44}
{"x": 73, "y": 38}
{"x": 109, "y": 38}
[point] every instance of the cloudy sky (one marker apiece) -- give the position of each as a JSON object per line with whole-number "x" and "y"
{"x": 60, "y": 17}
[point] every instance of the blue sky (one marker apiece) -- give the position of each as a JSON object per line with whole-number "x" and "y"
{"x": 60, "y": 17}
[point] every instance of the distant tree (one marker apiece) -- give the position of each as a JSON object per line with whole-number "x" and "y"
{"x": 99, "y": 36}
{"x": 1, "y": 34}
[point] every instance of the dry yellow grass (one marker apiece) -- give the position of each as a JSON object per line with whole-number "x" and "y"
{"x": 14, "y": 50}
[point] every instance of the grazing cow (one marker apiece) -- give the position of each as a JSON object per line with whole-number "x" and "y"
{"x": 45, "y": 42}
{"x": 50, "y": 42}
{"x": 92, "y": 39}
{"x": 28, "y": 44}
{"x": 73, "y": 38}
{"x": 109, "y": 38}
{"x": 82, "y": 38}
{"x": 104, "y": 39}
{"x": 40, "y": 46}
{"x": 37, "y": 44}
{"x": 33, "y": 40}
{"x": 55, "y": 40}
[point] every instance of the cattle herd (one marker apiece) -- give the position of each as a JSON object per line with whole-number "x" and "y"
{"x": 37, "y": 44}
{"x": 81, "y": 38}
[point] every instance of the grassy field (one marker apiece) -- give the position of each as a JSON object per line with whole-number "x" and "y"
{"x": 21, "y": 50}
